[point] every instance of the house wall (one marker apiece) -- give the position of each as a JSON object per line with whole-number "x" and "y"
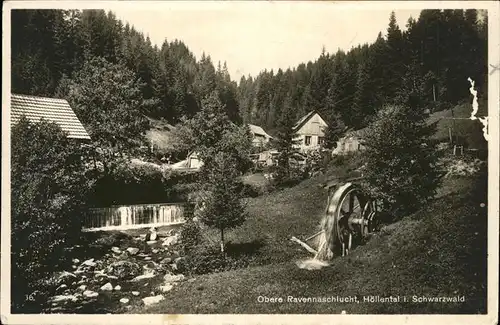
{"x": 313, "y": 128}
{"x": 346, "y": 145}
{"x": 259, "y": 140}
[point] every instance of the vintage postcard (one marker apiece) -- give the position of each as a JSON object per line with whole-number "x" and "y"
{"x": 220, "y": 162}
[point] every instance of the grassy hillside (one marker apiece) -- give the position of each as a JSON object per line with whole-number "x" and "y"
{"x": 440, "y": 251}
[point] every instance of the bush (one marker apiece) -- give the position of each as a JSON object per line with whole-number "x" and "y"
{"x": 48, "y": 188}
{"x": 401, "y": 162}
{"x": 190, "y": 234}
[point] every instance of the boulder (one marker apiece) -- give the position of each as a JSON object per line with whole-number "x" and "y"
{"x": 169, "y": 278}
{"x": 90, "y": 294}
{"x": 117, "y": 288}
{"x": 171, "y": 240}
{"x": 155, "y": 251}
{"x": 132, "y": 250}
{"x": 166, "y": 260}
{"x": 61, "y": 288}
{"x": 89, "y": 262}
{"x": 124, "y": 300}
{"x": 152, "y": 300}
{"x": 148, "y": 274}
{"x": 65, "y": 277}
{"x": 107, "y": 287}
{"x": 61, "y": 298}
{"x": 116, "y": 250}
{"x": 165, "y": 288}
{"x": 75, "y": 261}
{"x": 135, "y": 293}
{"x": 83, "y": 287}
{"x": 151, "y": 242}
{"x": 124, "y": 270}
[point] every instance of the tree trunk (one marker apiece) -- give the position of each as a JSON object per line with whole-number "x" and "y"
{"x": 222, "y": 240}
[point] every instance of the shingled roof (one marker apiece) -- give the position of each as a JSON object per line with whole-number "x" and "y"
{"x": 255, "y": 129}
{"x": 51, "y": 109}
{"x": 304, "y": 120}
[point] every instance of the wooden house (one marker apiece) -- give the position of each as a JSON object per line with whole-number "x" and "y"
{"x": 260, "y": 137}
{"x": 310, "y": 131}
{"x": 352, "y": 141}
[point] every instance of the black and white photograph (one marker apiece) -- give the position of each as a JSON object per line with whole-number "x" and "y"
{"x": 250, "y": 158}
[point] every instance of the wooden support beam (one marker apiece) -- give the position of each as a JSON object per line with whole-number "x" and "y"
{"x": 301, "y": 243}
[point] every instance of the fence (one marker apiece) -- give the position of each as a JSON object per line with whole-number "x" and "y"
{"x": 134, "y": 216}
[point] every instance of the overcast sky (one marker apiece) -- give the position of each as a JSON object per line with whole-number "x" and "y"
{"x": 252, "y": 37}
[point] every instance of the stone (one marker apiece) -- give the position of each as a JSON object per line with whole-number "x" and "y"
{"x": 74, "y": 267}
{"x": 107, "y": 287}
{"x": 169, "y": 278}
{"x": 100, "y": 275}
{"x": 147, "y": 258}
{"x": 132, "y": 250}
{"x": 152, "y": 300}
{"x": 135, "y": 293}
{"x": 151, "y": 242}
{"x": 116, "y": 250}
{"x": 148, "y": 274}
{"x": 90, "y": 263}
{"x": 124, "y": 270}
{"x": 165, "y": 288}
{"x": 117, "y": 288}
{"x": 60, "y": 298}
{"x": 83, "y": 287}
{"x": 166, "y": 260}
{"x": 90, "y": 294}
{"x": 155, "y": 251}
{"x": 171, "y": 240}
{"x": 62, "y": 287}
{"x": 124, "y": 300}
{"x": 75, "y": 261}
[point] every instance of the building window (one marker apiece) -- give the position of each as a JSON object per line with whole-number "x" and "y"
{"x": 307, "y": 140}
{"x": 321, "y": 140}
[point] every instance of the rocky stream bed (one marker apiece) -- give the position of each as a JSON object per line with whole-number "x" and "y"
{"x": 133, "y": 273}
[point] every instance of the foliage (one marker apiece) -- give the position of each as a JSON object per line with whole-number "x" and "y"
{"x": 444, "y": 47}
{"x": 285, "y": 143}
{"x": 224, "y": 149}
{"x": 137, "y": 184}
{"x": 401, "y": 161}
{"x": 48, "y": 188}
{"x": 333, "y": 132}
{"x": 107, "y": 98}
{"x": 190, "y": 234}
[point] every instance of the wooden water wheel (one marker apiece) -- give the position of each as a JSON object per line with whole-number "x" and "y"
{"x": 349, "y": 217}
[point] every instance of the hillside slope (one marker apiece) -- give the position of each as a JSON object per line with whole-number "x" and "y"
{"x": 440, "y": 251}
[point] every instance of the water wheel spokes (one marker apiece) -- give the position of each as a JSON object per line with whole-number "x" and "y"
{"x": 344, "y": 220}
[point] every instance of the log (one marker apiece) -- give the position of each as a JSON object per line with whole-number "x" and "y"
{"x": 301, "y": 243}
{"x": 315, "y": 235}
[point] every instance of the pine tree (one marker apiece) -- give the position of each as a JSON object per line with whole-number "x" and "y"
{"x": 224, "y": 149}
{"x": 285, "y": 143}
{"x": 401, "y": 161}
